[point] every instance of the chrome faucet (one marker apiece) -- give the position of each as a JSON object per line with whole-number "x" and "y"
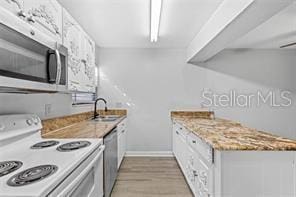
{"x": 95, "y": 110}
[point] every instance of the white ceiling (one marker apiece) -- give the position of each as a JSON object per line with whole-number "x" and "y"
{"x": 126, "y": 23}
{"x": 277, "y": 31}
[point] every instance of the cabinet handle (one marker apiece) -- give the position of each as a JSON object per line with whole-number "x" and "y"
{"x": 194, "y": 141}
{"x": 22, "y": 13}
{"x": 59, "y": 66}
{"x": 31, "y": 19}
{"x": 32, "y": 32}
{"x": 195, "y": 173}
{"x": 177, "y": 132}
{"x": 122, "y": 131}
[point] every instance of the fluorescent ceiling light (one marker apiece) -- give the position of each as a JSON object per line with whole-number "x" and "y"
{"x": 155, "y": 13}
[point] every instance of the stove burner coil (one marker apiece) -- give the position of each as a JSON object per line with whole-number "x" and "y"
{"x": 44, "y": 144}
{"x": 32, "y": 175}
{"x": 73, "y": 146}
{"x": 7, "y": 167}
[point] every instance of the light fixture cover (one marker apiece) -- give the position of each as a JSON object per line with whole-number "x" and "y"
{"x": 155, "y": 12}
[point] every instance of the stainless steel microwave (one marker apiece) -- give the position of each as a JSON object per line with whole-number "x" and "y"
{"x": 29, "y": 59}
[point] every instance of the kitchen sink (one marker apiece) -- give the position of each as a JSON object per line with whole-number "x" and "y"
{"x": 108, "y": 118}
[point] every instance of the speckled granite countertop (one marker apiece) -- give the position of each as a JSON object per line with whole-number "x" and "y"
{"x": 80, "y": 125}
{"x": 84, "y": 129}
{"x": 228, "y": 135}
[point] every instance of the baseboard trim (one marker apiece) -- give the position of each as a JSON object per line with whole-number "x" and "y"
{"x": 149, "y": 154}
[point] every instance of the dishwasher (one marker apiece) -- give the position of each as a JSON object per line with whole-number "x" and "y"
{"x": 110, "y": 161}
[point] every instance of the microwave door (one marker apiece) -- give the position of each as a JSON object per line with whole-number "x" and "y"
{"x": 23, "y": 68}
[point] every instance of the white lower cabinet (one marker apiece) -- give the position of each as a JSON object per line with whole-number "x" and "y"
{"x": 121, "y": 141}
{"x": 181, "y": 150}
{"x": 215, "y": 173}
{"x": 197, "y": 170}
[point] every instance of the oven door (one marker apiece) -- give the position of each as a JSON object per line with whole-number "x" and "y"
{"x": 27, "y": 64}
{"x": 86, "y": 180}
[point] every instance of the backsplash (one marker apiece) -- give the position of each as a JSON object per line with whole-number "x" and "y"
{"x": 44, "y": 105}
{"x": 195, "y": 114}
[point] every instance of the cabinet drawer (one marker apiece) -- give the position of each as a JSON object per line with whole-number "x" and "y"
{"x": 121, "y": 131}
{"x": 121, "y": 126}
{"x": 205, "y": 150}
{"x": 179, "y": 129}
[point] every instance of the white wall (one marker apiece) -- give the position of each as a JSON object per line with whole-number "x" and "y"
{"x": 152, "y": 82}
{"x": 249, "y": 71}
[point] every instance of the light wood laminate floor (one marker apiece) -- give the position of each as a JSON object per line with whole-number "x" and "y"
{"x": 150, "y": 177}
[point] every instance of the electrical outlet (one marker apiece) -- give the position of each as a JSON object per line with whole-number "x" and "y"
{"x": 118, "y": 105}
{"x": 47, "y": 110}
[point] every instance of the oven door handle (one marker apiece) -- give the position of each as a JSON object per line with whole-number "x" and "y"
{"x": 82, "y": 174}
{"x": 59, "y": 67}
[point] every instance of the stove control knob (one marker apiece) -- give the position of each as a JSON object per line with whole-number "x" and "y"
{"x": 29, "y": 122}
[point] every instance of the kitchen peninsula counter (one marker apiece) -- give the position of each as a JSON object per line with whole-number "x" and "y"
{"x": 224, "y": 134}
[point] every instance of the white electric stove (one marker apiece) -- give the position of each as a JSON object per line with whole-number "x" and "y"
{"x": 34, "y": 167}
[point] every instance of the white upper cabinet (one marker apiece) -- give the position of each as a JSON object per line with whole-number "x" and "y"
{"x": 71, "y": 40}
{"x": 14, "y": 6}
{"x": 88, "y": 60}
{"x": 81, "y": 56}
{"x": 46, "y": 15}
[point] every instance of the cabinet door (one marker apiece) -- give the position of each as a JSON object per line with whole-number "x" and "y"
{"x": 72, "y": 40}
{"x": 177, "y": 146}
{"x": 119, "y": 147}
{"x": 46, "y": 15}
{"x": 180, "y": 150}
{"x": 122, "y": 134}
{"x": 124, "y": 141}
{"x": 88, "y": 60}
{"x": 174, "y": 138}
{"x": 14, "y": 6}
{"x": 203, "y": 185}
